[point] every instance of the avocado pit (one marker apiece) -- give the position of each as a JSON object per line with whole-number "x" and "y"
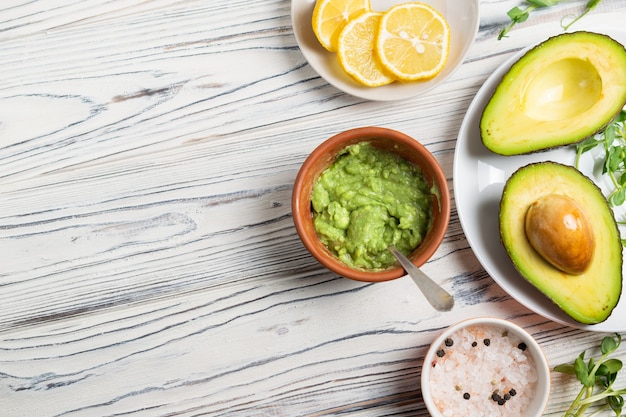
{"x": 559, "y": 230}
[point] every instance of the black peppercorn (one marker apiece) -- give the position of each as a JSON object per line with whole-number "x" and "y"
{"x": 449, "y": 342}
{"x": 522, "y": 346}
{"x": 474, "y": 344}
{"x": 512, "y": 392}
{"x": 441, "y": 353}
{"x": 467, "y": 395}
{"x": 487, "y": 342}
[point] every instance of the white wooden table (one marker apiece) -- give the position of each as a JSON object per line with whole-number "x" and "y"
{"x": 149, "y": 263}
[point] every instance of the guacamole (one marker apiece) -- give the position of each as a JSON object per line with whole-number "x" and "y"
{"x": 367, "y": 200}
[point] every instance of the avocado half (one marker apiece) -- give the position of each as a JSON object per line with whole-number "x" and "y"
{"x": 590, "y": 297}
{"x": 558, "y": 93}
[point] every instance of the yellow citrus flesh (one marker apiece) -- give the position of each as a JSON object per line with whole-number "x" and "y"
{"x": 413, "y": 41}
{"x": 356, "y": 51}
{"x": 330, "y": 16}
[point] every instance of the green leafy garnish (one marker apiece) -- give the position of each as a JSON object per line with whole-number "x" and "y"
{"x": 613, "y": 139}
{"x": 591, "y": 4}
{"x": 597, "y": 377}
{"x": 518, "y": 15}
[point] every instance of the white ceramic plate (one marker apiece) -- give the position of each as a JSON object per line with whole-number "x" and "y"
{"x": 463, "y": 19}
{"x": 479, "y": 177}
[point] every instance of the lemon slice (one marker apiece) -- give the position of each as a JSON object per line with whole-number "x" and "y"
{"x": 413, "y": 41}
{"x": 330, "y": 16}
{"x": 356, "y": 51}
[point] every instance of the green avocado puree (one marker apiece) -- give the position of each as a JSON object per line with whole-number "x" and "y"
{"x": 367, "y": 200}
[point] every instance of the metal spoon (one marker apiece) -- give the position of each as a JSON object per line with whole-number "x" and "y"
{"x": 436, "y": 296}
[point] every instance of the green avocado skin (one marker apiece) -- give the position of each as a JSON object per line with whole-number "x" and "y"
{"x": 560, "y": 92}
{"x": 590, "y": 297}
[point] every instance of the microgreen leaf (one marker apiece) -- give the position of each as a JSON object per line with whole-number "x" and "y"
{"x": 602, "y": 371}
{"x": 615, "y": 158}
{"x": 609, "y": 133}
{"x": 591, "y": 4}
{"x": 582, "y": 373}
{"x": 613, "y": 140}
{"x": 584, "y": 146}
{"x": 610, "y": 345}
{"x": 597, "y": 377}
{"x": 611, "y": 366}
{"x": 616, "y": 403}
{"x": 588, "y": 144}
{"x": 606, "y": 381}
{"x": 518, "y": 15}
{"x": 565, "y": 368}
{"x": 618, "y": 197}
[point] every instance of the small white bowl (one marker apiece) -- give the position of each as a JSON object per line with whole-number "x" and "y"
{"x": 538, "y": 398}
{"x": 462, "y": 16}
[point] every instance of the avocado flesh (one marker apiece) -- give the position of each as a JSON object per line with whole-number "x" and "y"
{"x": 590, "y": 297}
{"x": 558, "y": 93}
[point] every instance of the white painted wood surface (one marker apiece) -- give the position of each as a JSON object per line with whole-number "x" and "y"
{"x": 149, "y": 263}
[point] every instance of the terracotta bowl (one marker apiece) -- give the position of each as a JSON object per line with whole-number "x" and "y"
{"x": 324, "y": 155}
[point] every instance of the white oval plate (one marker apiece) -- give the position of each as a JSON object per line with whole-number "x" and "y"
{"x": 463, "y": 19}
{"x": 479, "y": 176}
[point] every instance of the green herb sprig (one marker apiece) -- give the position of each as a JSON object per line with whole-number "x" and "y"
{"x": 613, "y": 139}
{"x": 519, "y": 15}
{"x": 597, "y": 377}
{"x": 591, "y": 4}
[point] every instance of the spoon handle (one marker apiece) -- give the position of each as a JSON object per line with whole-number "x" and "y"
{"x": 439, "y": 298}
